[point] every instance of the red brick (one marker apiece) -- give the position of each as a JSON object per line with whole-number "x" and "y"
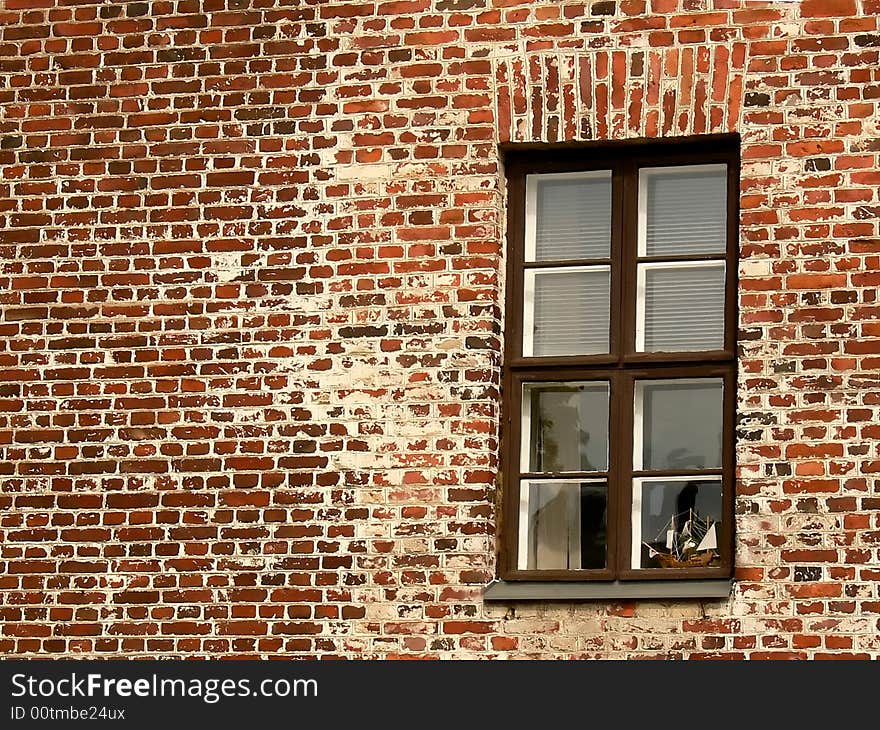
{"x": 828, "y": 8}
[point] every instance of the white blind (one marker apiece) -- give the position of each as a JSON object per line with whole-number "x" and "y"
{"x": 573, "y": 216}
{"x": 685, "y": 210}
{"x": 570, "y": 312}
{"x": 683, "y": 308}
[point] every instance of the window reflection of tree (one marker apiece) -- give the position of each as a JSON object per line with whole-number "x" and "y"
{"x": 569, "y": 529}
{"x": 561, "y": 441}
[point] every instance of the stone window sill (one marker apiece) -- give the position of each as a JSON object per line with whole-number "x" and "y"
{"x": 499, "y": 590}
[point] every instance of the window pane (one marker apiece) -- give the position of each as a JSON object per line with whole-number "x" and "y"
{"x": 683, "y": 210}
{"x": 681, "y": 307}
{"x": 678, "y": 424}
{"x": 566, "y": 311}
{"x": 562, "y": 525}
{"x": 676, "y": 522}
{"x": 565, "y": 427}
{"x": 569, "y": 215}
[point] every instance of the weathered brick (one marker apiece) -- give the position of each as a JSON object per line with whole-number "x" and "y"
{"x": 251, "y": 307}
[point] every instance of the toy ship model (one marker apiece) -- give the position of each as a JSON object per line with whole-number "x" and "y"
{"x": 695, "y": 545}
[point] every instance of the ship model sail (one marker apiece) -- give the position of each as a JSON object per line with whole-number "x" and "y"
{"x": 694, "y": 545}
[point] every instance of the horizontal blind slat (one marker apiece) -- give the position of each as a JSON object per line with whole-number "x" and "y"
{"x": 571, "y": 312}
{"x": 686, "y": 212}
{"x": 684, "y": 308}
{"x": 573, "y": 218}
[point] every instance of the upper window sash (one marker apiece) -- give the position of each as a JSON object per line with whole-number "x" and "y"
{"x": 680, "y": 306}
{"x": 682, "y": 211}
{"x": 568, "y": 216}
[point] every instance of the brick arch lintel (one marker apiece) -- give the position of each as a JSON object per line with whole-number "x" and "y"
{"x": 559, "y": 96}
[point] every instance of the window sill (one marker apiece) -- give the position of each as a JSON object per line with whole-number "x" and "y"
{"x": 499, "y": 590}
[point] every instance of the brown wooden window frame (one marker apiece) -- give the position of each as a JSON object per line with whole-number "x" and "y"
{"x": 622, "y": 366}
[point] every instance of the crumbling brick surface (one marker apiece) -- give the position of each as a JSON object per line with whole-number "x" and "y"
{"x": 252, "y": 286}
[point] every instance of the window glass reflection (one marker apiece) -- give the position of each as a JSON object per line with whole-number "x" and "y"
{"x": 565, "y": 427}
{"x": 563, "y": 525}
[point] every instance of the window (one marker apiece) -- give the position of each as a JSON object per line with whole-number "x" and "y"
{"x": 619, "y": 374}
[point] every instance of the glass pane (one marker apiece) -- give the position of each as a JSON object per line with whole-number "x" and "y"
{"x": 566, "y": 311}
{"x": 562, "y": 525}
{"x": 682, "y": 308}
{"x": 678, "y": 424}
{"x": 683, "y": 210}
{"x": 572, "y": 216}
{"x": 676, "y": 522}
{"x": 565, "y": 427}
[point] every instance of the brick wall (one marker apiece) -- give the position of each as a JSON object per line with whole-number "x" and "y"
{"x": 252, "y": 275}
